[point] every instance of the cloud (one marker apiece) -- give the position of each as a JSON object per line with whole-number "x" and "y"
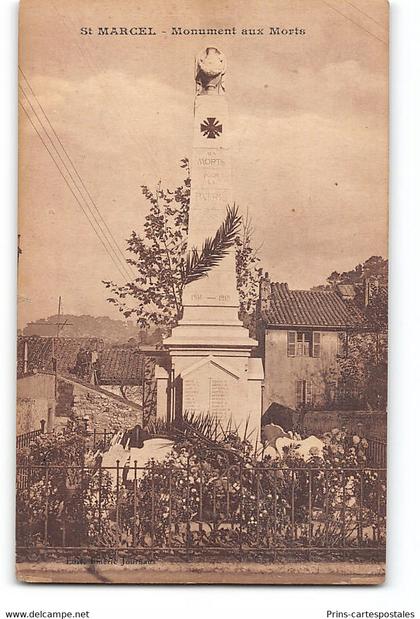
{"x": 309, "y": 160}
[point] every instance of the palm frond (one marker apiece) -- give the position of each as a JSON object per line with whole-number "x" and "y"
{"x": 198, "y": 264}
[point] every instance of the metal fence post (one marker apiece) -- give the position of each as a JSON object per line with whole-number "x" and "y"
{"x": 188, "y": 528}
{"x": 327, "y": 507}
{"x": 170, "y": 506}
{"x": 360, "y": 511}
{"x": 117, "y": 510}
{"x": 275, "y": 532}
{"x": 257, "y": 479}
{"x": 135, "y": 505}
{"x": 309, "y": 511}
{"x": 100, "y": 500}
{"x": 153, "y": 508}
{"x": 200, "y": 504}
{"x": 30, "y": 503}
{"x": 46, "y": 504}
{"x": 378, "y": 506}
{"x": 343, "y": 510}
{"x": 293, "y": 505}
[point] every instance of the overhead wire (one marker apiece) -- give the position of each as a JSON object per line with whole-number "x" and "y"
{"x": 99, "y": 70}
{"x": 97, "y": 223}
{"x": 354, "y": 22}
{"x": 116, "y": 264}
{"x": 101, "y": 218}
{"x": 365, "y": 14}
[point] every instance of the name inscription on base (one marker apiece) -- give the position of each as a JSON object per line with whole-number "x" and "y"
{"x": 209, "y": 395}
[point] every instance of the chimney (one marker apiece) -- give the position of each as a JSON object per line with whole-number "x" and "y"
{"x": 25, "y": 357}
{"x": 366, "y": 291}
{"x": 265, "y": 293}
{"x": 346, "y": 291}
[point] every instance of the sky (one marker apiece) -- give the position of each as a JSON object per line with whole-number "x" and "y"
{"x": 309, "y": 134}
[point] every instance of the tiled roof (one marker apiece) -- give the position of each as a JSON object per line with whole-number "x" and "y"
{"x": 307, "y": 308}
{"x": 123, "y": 366}
{"x": 118, "y": 366}
{"x": 40, "y": 352}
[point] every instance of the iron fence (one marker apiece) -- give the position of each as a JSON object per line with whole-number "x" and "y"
{"x": 376, "y": 453}
{"x": 98, "y": 439}
{"x": 24, "y": 440}
{"x": 190, "y": 511}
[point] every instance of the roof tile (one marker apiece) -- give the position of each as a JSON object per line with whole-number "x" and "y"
{"x": 310, "y": 308}
{"x": 118, "y": 366}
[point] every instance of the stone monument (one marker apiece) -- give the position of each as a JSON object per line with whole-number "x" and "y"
{"x": 212, "y": 371}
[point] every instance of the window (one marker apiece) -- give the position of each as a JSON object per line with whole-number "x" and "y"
{"x": 303, "y": 393}
{"x": 303, "y": 344}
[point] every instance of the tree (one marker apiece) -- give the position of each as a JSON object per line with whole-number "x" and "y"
{"x": 373, "y": 272}
{"x": 164, "y": 266}
{"x": 362, "y": 371}
{"x": 362, "y": 368}
{"x": 84, "y": 326}
{"x": 247, "y": 274}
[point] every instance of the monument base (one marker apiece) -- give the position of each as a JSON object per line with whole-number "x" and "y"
{"x": 212, "y": 373}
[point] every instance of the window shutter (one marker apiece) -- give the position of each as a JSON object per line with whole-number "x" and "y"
{"x": 299, "y": 393}
{"x": 316, "y": 344}
{"x": 308, "y": 398}
{"x": 291, "y": 343}
{"x": 306, "y": 344}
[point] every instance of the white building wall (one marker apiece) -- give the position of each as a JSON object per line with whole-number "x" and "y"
{"x": 282, "y": 372}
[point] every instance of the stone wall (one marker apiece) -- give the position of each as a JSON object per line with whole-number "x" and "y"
{"x": 103, "y": 412}
{"x": 369, "y": 424}
{"x": 35, "y": 401}
{"x": 29, "y": 413}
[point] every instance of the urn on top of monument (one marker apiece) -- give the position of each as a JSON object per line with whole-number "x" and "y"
{"x": 210, "y": 72}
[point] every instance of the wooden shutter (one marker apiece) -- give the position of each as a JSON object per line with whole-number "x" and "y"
{"x": 299, "y": 393}
{"x": 306, "y": 344}
{"x": 291, "y": 343}
{"x": 316, "y": 344}
{"x": 299, "y": 344}
{"x": 308, "y": 392}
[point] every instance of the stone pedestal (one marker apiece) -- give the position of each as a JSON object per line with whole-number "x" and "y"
{"x": 212, "y": 369}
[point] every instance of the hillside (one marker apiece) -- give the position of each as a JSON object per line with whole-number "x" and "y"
{"x": 102, "y": 327}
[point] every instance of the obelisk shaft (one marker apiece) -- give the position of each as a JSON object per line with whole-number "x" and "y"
{"x": 211, "y": 194}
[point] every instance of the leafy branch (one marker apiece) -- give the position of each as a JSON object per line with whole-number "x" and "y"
{"x": 164, "y": 266}
{"x": 198, "y": 264}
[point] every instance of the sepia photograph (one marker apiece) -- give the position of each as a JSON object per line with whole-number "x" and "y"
{"x": 202, "y": 346}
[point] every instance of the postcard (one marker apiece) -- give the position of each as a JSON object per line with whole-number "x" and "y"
{"x": 203, "y": 284}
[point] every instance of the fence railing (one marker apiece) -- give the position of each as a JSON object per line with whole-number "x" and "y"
{"x": 24, "y": 440}
{"x": 99, "y": 439}
{"x": 190, "y": 511}
{"x": 376, "y": 453}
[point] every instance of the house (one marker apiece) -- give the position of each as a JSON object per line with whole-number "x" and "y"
{"x": 63, "y": 377}
{"x": 35, "y": 403}
{"x": 48, "y": 354}
{"x": 300, "y": 334}
{"x": 87, "y": 358}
